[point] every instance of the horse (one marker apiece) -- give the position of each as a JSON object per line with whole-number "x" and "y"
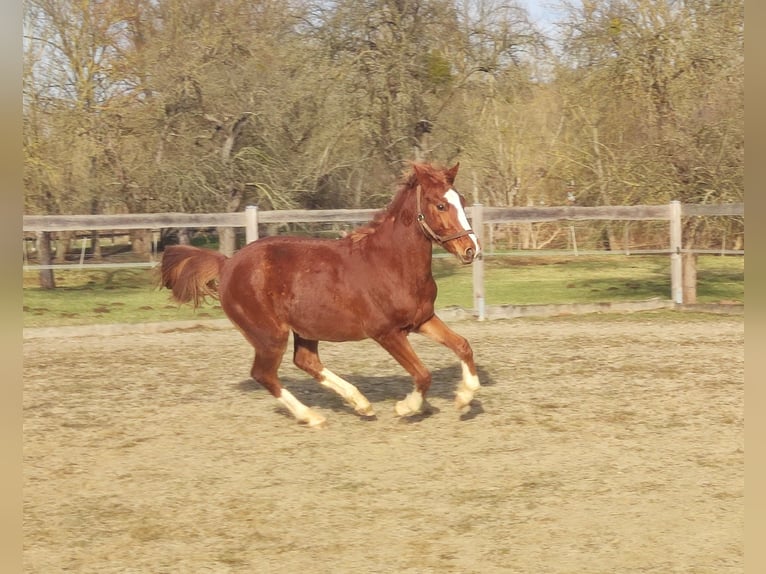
{"x": 374, "y": 283}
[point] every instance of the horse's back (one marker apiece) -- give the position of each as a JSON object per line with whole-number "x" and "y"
{"x": 315, "y": 287}
{"x": 283, "y": 259}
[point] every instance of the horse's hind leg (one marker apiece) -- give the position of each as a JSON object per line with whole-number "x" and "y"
{"x": 306, "y": 357}
{"x": 264, "y": 371}
{"x": 268, "y": 356}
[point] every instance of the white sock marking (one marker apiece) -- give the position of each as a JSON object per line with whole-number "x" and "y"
{"x": 298, "y": 409}
{"x": 469, "y": 380}
{"x": 346, "y": 390}
{"x": 466, "y": 388}
{"x": 410, "y": 404}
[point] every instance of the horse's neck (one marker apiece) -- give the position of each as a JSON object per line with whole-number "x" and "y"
{"x": 408, "y": 245}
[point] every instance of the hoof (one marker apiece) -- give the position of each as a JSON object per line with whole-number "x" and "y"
{"x": 366, "y": 411}
{"x": 465, "y": 391}
{"x": 409, "y": 405}
{"x": 403, "y": 410}
{"x": 321, "y": 424}
{"x": 314, "y": 420}
{"x": 463, "y": 399}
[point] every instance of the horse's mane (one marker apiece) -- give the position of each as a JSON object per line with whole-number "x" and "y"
{"x": 408, "y": 182}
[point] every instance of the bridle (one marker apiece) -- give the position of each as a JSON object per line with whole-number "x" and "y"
{"x": 430, "y": 233}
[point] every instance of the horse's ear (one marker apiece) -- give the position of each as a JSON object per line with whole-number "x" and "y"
{"x": 451, "y": 173}
{"x": 423, "y": 174}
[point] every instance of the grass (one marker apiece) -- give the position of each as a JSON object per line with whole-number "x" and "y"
{"x": 586, "y": 279}
{"x": 108, "y": 296}
{"x": 131, "y": 296}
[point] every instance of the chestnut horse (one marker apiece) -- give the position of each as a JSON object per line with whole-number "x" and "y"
{"x": 374, "y": 283}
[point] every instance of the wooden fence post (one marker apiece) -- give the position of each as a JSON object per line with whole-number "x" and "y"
{"x": 251, "y": 223}
{"x": 676, "y": 273}
{"x": 477, "y": 224}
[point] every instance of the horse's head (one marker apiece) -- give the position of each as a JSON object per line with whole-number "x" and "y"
{"x": 441, "y": 212}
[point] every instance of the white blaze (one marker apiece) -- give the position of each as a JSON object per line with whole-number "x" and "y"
{"x": 453, "y": 198}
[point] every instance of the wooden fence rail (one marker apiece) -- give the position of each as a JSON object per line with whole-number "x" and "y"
{"x": 34, "y": 223}
{"x": 479, "y": 215}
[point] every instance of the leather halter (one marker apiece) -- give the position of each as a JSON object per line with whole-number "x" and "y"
{"x": 430, "y": 233}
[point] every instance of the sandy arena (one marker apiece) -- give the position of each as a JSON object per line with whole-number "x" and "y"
{"x": 598, "y": 444}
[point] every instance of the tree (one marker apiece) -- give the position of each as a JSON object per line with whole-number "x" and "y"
{"x": 208, "y": 105}
{"x": 645, "y": 86}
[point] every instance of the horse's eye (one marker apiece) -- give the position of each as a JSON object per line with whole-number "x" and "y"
{"x": 441, "y": 207}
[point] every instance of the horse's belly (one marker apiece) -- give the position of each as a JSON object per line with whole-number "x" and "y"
{"x": 327, "y": 325}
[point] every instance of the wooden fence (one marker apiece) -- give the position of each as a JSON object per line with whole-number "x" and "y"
{"x": 479, "y": 215}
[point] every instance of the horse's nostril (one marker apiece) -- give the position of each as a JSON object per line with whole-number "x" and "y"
{"x": 469, "y": 253}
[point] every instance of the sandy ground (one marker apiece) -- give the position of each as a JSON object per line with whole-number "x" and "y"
{"x": 597, "y": 445}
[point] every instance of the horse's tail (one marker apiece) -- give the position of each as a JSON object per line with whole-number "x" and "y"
{"x": 191, "y": 273}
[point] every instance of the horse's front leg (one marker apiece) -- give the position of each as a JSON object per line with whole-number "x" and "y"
{"x": 437, "y": 330}
{"x": 397, "y": 344}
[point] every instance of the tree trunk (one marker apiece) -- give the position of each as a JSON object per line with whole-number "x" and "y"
{"x": 95, "y": 242}
{"x": 141, "y": 241}
{"x": 63, "y": 244}
{"x": 227, "y": 237}
{"x": 184, "y": 238}
{"x": 227, "y": 241}
{"x": 44, "y": 254}
{"x": 689, "y": 274}
{"x": 610, "y": 240}
{"x": 525, "y": 230}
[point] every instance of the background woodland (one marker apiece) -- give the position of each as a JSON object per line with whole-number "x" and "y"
{"x": 137, "y": 106}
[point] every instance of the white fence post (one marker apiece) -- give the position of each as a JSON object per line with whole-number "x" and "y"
{"x": 251, "y": 223}
{"x": 477, "y": 224}
{"x": 676, "y": 274}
